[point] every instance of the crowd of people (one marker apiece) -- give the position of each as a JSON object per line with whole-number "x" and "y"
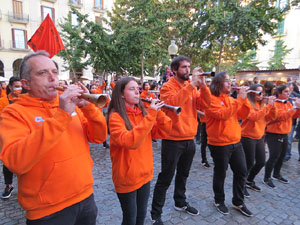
{"x": 45, "y": 134}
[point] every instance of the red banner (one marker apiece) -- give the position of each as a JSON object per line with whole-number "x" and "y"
{"x": 46, "y": 38}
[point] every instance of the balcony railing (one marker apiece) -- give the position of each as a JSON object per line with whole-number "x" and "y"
{"x": 99, "y": 9}
{"x": 19, "y": 47}
{"x": 76, "y": 4}
{"x": 18, "y": 18}
{"x": 50, "y": 1}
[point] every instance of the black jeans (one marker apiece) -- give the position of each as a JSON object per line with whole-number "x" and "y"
{"x": 222, "y": 156}
{"x": 198, "y": 130}
{"x": 8, "y": 176}
{"x": 203, "y": 141}
{"x": 254, "y": 152}
{"x": 174, "y": 155}
{"x": 134, "y": 205}
{"x": 278, "y": 144}
{"x": 81, "y": 213}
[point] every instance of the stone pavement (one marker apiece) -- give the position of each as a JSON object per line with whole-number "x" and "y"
{"x": 280, "y": 206}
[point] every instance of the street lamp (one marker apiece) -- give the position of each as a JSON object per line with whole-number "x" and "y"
{"x": 173, "y": 49}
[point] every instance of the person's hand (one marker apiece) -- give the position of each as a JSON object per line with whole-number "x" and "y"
{"x": 156, "y": 104}
{"x": 271, "y": 100}
{"x": 243, "y": 91}
{"x": 80, "y": 102}
{"x": 67, "y": 100}
{"x": 197, "y": 79}
{"x": 297, "y": 103}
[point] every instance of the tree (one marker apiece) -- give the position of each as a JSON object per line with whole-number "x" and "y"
{"x": 280, "y": 51}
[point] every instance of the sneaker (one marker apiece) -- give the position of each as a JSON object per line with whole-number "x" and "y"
{"x": 252, "y": 186}
{"x": 269, "y": 183}
{"x": 205, "y": 164}
{"x": 157, "y": 221}
{"x": 243, "y": 209}
{"x": 221, "y": 207}
{"x": 246, "y": 193}
{"x": 7, "y": 192}
{"x": 188, "y": 209}
{"x": 281, "y": 179}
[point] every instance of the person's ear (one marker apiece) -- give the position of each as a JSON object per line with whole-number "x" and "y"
{"x": 26, "y": 84}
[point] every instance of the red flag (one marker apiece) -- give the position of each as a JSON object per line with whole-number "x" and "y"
{"x": 46, "y": 38}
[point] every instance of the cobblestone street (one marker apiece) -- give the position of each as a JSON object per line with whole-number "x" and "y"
{"x": 280, "y": 206}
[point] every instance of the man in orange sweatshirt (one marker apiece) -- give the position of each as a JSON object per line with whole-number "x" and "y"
{"x": 178, "y": 149}
{"x": 45, "y": 142}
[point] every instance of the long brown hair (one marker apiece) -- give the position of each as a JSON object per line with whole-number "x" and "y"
{"x": 117, "y": 103}
{"x": 217, "y": 84}
{"x": 252, "y": 97}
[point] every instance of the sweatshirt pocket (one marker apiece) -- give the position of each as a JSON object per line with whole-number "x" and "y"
{"x": 67, "y": 179}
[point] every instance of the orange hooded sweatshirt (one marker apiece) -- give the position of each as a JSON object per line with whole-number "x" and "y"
{"x": 131, "y": 150}
{"x": 149, "y": 95}
{"x": 282, "y": 124}
{"x": 4, "y": 101}
{"x": 48, "y": 150}
{"x": 222, "y": 117}
{"x": 189, "y": 99}
{"x": 254, "y": 126}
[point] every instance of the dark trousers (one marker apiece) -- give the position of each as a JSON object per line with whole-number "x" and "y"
{"x": 278, "y": 144}
{"x": 174, "y": 155}
{"x": 134, "y": 205}
{"x": 222, "y": 156}
{"x": 81, "y": 213}
{"x": 254, "y": 150}
{"x": 203, "y": 141}
{"x": 198, "y": 130}
{"x": 8, "y": 176}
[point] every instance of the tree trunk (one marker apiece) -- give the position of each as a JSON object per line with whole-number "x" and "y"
{"x": 142, "y": 78}
{"x": 220, "y": 57}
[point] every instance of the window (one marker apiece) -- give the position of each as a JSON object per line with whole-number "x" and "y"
{"x": 74, "y": 19}
{"x": 75, "y": 1}
{"x": 280, "y": 28}
{"x": 17, "y": 9}
{"x": 99, "y": 4}
{"x": 98, "y": 20}
{"x": 47, "y": 10}
{"x": 282, "y": 4}
{"x": 19, "y": 38}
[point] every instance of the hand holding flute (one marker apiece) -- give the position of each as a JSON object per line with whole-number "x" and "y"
{"x": 175, "y": 109}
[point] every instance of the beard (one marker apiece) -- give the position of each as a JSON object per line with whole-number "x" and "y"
{"x": 183, "y": 76}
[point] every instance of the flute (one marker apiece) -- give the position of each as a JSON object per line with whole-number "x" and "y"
{"x": 97, "y": 99}
{"x": 249, "y": 91}
{"x": 176, "y": 109}
{"x": 278, "y": 100}
{"x": 207, "y": 74}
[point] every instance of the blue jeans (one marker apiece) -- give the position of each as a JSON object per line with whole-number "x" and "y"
{"x": 81, "y": 213}
{"x": 290, "y": 142}
{"x": 134, "y": 205}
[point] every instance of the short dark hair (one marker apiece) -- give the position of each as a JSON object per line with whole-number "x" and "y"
{"x": 144, "y": 84}
{"x": 176, "y": 62}
{"x": 12, "y": 80}
{"x": 217, "y": 83}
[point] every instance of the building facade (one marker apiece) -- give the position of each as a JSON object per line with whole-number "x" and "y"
{"x": 288, "y": 31}
{"x": 19, "y": 19}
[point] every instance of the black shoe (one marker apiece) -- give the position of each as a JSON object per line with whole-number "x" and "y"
{"x": 105, "y": 145}
{"x": 188, "y": 209}
{"x": 246, "y": 193}
{"x": 205, "y": 164}
{"x": 221, "y": 207}
{"x": 252, "y": 186}
{"x": 7, "y": 192}
{"x": 269, "y": 183}
{"x": 243, "y": 209}
{"x": 157, "y": 221}
{"x": 281, "y": 179}
{"x": 154, "y": 140}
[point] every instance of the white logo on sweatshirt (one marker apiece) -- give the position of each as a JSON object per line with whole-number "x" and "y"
{"x": 38, "y": 119}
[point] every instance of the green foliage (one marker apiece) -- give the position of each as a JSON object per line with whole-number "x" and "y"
{"x": 280, "y": 51}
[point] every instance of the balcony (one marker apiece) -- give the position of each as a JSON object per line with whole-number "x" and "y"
{"x": 23, "y": 47}
{"x": 75, "y": 4}
{"x": 99, "y": 9}
{"x": 18, "y": 18}
{"x": 50, "y": 1}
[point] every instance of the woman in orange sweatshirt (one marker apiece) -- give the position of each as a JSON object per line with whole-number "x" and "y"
{"x": 277, "y": 135}
{"x": 253, "y": 130}
{"x": 147, "y": 94}
{"x": 131, "y": 133}
{"x": 223, "y": 138}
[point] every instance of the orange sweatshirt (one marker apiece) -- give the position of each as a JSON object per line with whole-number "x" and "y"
{"x": 131, "y": 150}
{"x": 149, "y": 95}
{"x": 3, "y": 93}
{"x": 4, "y": 101}
{"x": 112, "y": 84}
{"x": 283, "y": 122}
{"x": 222, "y": 117}
{"x": 100, "y": 88}
{"x": 189, "y": 99}
{"x": 254, "y": 126}
{"x": 48, "y": 150}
